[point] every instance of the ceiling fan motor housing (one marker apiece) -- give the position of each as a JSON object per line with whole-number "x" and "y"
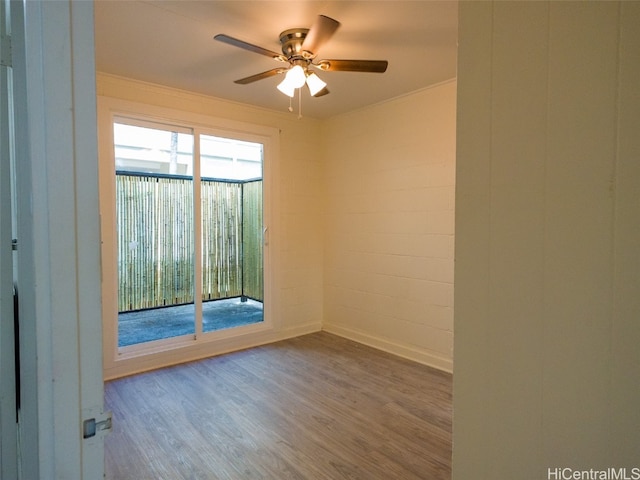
{"x": 292, "y": 40}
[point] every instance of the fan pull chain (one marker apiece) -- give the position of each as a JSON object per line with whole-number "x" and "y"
{"x": 299, "y": 103}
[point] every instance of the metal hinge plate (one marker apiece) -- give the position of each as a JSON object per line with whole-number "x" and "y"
{"x": 5, "y": 51}
{"x": 101, "y": 424}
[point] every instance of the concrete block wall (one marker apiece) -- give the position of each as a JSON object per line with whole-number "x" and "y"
{"x": 389, "y": 225}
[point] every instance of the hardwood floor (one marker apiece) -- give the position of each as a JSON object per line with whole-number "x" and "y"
{"x": 313, "y": 407}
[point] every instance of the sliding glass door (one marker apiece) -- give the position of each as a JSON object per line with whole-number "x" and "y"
{"x": 231, "y": 232}
{"x": 189, "y": 232}
{"x": 156, "y": 248}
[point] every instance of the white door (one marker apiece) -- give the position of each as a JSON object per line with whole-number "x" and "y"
{"x": 57, "y": 261}
{"x": 8, "y": 423}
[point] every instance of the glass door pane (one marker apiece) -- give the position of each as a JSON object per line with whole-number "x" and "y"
{"x": 232, "y": 248}
{"x": 155, "y": 223}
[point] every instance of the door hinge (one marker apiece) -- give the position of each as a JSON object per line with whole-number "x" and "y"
{"x": 92, "y": 426}
{"x": 5, "y": 51}
{"x": 14, "y": 244}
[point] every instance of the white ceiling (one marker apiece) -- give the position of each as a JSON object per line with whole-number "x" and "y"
{"x": 170, "y": 42}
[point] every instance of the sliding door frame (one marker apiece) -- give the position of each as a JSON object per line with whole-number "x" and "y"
{"x": 146, "y": 356}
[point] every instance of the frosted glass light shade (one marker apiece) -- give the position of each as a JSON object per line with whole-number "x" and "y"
{"x": 295, "y": 76}
{"x": 315, "y": 84}
{"x": 285, "y": 87}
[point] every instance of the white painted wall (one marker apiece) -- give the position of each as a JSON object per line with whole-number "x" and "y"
{"x": 389, "y": 225}
{"x": 547, "y": 303}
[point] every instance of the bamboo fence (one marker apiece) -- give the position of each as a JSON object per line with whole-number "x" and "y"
{"x": 221, "y": 240}
{"x": 156, "y": 247}
{"x": 252, "y": 241}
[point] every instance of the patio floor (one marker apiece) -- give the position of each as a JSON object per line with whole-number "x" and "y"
{"x": 167, "y": 322}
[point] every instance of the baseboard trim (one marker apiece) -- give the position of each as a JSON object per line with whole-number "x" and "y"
{"x": 411, "y": 353}
{"x": 135, "y": 365}
{"x": 131, "y": 366}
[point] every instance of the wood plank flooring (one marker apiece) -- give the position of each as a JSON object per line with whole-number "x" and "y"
{"x": 315, "y": 407}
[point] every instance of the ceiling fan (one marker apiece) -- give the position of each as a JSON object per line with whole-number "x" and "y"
{"x": 299, "y": 50}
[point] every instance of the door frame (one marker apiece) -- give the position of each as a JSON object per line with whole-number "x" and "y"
{"x": 58, "y": 256}
{"x": 8, "y": 386}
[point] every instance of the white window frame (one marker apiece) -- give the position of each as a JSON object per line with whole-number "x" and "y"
{"x": 120, "y": 361}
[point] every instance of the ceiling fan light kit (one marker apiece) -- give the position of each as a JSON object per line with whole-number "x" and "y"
{"x": 299, "y": 47}
{"x": 296, "y": 77}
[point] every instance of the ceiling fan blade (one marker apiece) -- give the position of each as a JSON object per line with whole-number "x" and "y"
{"x": 322, "y": 92}
{"x": 221, "y": 37}
{"x": 372, "y": 66}
{"x": 319, "y": 33}
{"x": 260, "y": 76}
